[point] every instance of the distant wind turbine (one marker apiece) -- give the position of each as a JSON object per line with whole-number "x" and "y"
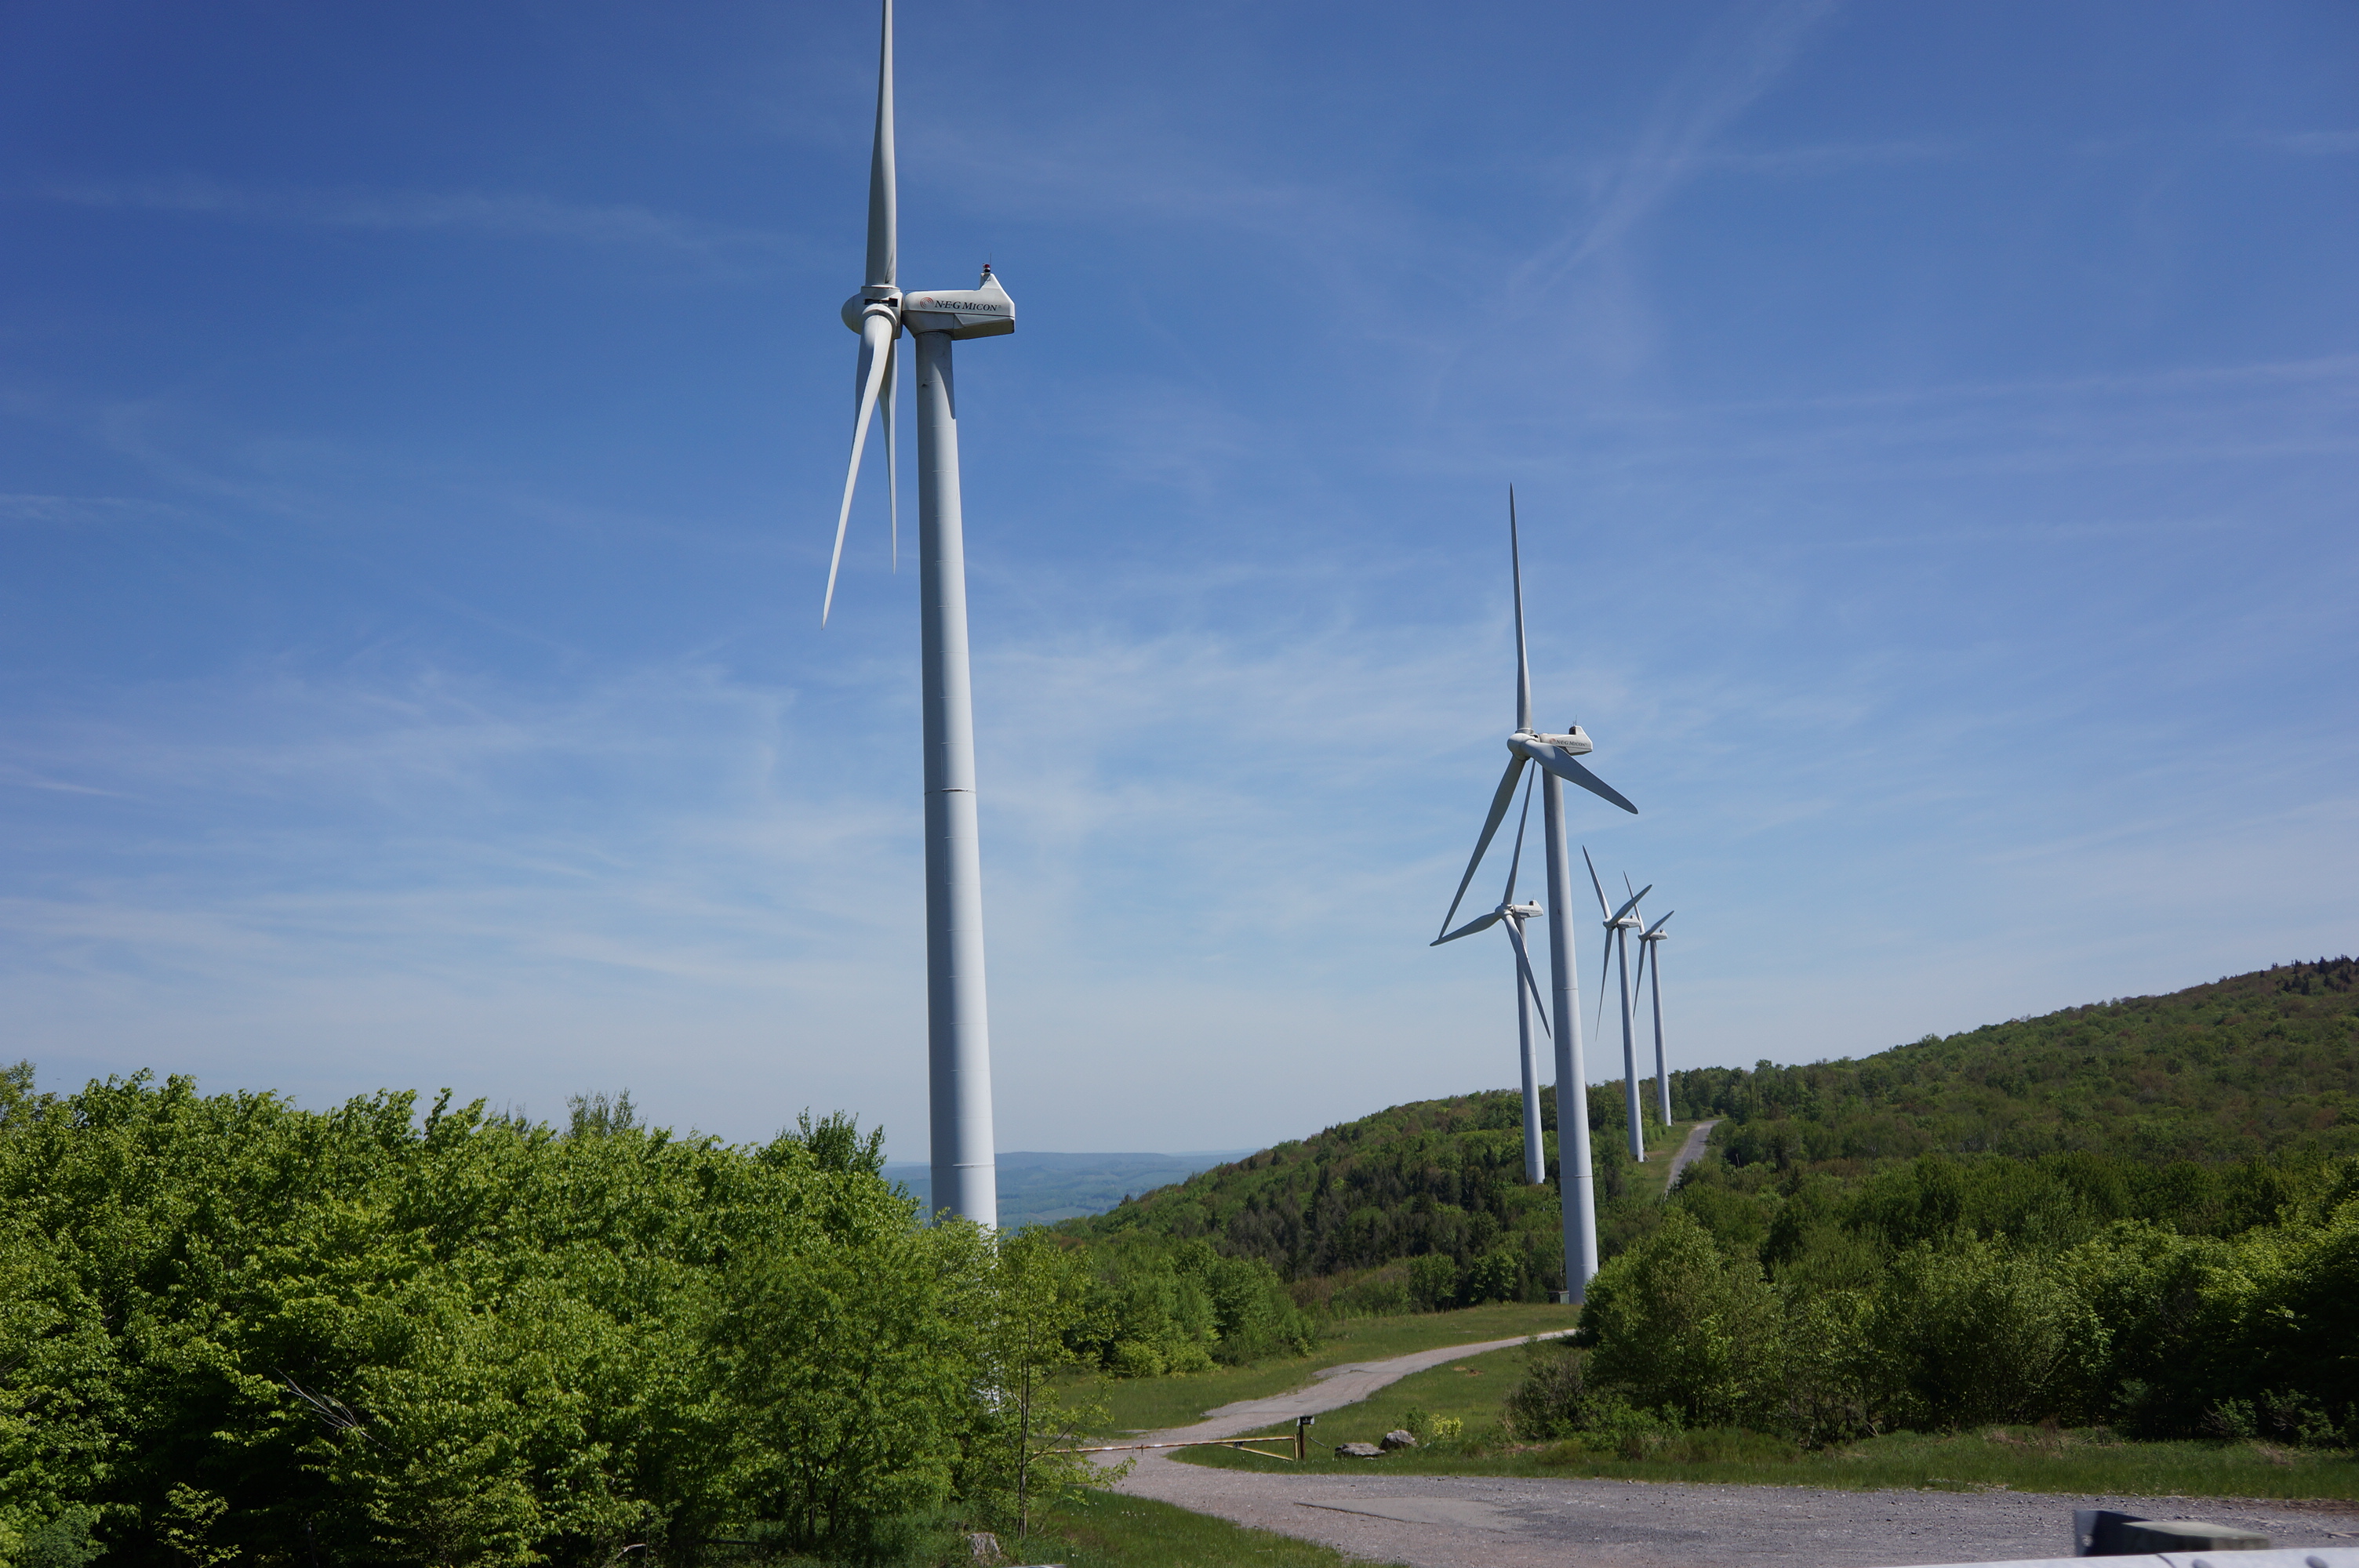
{"x": 1646, "y": 945}
{"x": 958, "y": 1022}
{"x": 1555, "y": 755}
{"x": 1619, "y": 923}
{"x": 1510, "y": 916}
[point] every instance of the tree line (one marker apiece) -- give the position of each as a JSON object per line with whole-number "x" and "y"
{"x": 232, "y": 1330}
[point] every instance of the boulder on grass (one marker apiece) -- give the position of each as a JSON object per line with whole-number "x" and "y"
{"x": 1398, "y": 1438}
{"x": 1358, "y": 1451}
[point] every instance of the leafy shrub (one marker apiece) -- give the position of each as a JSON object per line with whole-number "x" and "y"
{"x": 1825, "y": 1391}
{"x": 1552, "y": 1400}
{"x": 1433, "y": 1281}
{"x": 1974, "y": 1332}
{"x": 1677, "y": 1324}
{"x": 1155, "y": 1307}
{"x": 1496, "y": 1276}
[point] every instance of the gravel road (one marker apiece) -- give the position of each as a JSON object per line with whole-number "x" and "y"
{"x": 1690, "y": 1152}
{"x": 1472, "y": 1521}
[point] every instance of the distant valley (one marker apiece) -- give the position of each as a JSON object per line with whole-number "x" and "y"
{"x": 1041, "y": 1187}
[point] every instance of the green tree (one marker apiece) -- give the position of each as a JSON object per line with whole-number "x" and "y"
{"x": 850, "y": 1352}
{"x": 1974, "y": 1331}
{"x": 1677, "y": 1322}
{"x": 1040, "y": 1295}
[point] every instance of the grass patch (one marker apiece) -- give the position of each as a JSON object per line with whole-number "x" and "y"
{"x": 2018, "y": 1458}
{"x": 1150, "y": 1404}
{"x": 1109, "y": 1530}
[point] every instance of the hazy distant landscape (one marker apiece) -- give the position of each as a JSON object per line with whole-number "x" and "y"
{"x": 1038, "y": 1187}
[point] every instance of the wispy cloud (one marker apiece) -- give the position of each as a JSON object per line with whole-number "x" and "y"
{"x": 519, "y": 215}
{"x": 76, "y": 511}
{"x": 1737, "y": 61}
{"x": 1819, "y": 158}
{"x": 1229, "y": 841}
{"x": 2314, "y": 144}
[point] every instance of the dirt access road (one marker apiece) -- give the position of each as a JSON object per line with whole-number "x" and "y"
{"x": 1690, "y": 1152}
{"x": 1474, "y": 1522}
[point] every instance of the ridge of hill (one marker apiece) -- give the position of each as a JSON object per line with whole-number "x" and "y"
{"x": 2250, "y": 1065}
{"x": 2148, "y": 1100}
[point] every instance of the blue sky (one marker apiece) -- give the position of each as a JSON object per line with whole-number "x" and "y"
{"x": 421, "y": 429}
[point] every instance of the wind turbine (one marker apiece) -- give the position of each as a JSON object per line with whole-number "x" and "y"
{"x": 958, "y": 1026}
{"x": 1554, "y": 755}
{"x": 1647, "y": 940}
{"x": 1510, "y": 916}
{"x": 1619, "y": 923}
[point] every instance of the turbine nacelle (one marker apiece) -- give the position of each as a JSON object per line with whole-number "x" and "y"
{"x": 1520, "y": 911}
{"x": 983, "y": 311}
{"x": 1526, "y": 743}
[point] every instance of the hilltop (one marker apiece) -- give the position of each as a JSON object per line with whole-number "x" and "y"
{"x": 2165, "y": 1108}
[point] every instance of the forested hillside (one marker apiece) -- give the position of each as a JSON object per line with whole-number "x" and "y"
{"x": 2183, "y": 1108}
{"x": 2260, "y": 1064}
{"x": 2142, "y": 1214}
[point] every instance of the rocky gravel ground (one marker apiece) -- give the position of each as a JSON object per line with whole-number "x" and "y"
{"x": 1474, "y": 1521}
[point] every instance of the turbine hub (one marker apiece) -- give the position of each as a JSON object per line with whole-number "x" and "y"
{"x": 877, "y": 297}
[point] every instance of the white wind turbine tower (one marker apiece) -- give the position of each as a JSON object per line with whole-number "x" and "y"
{"x": 1646, "y": 947}
{"x": 1554, "y": 755}
{"x": 1619, "y": 923}
{"x": 1510, "y": 916}
{"x": 958, "y": 1026}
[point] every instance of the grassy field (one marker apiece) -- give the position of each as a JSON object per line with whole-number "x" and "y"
{"x": 1147, "y": 1404}
{"x": 2025, "y": 1459}
{"x": 1108, "y": 1531}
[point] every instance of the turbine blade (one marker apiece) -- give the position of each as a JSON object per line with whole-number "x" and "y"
{"x": 1633, "y": 900}
{"x": 1638, "y": 977}
{"x": 1468, "y": 929}
{"x": 1570, "y": 771}
{"x": 1523, "y": 659}
{"x": 875, "y": 349}
{"x": 1517, "y": 859}
{"x": 1524, "y": 967}
{"x": 892, "y": 458}
{"x": 1659, "y": 924}
{"x": 1596, "y": 883}
{"x": 1499, "y": 804}
{"x": 884, "y": 204}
